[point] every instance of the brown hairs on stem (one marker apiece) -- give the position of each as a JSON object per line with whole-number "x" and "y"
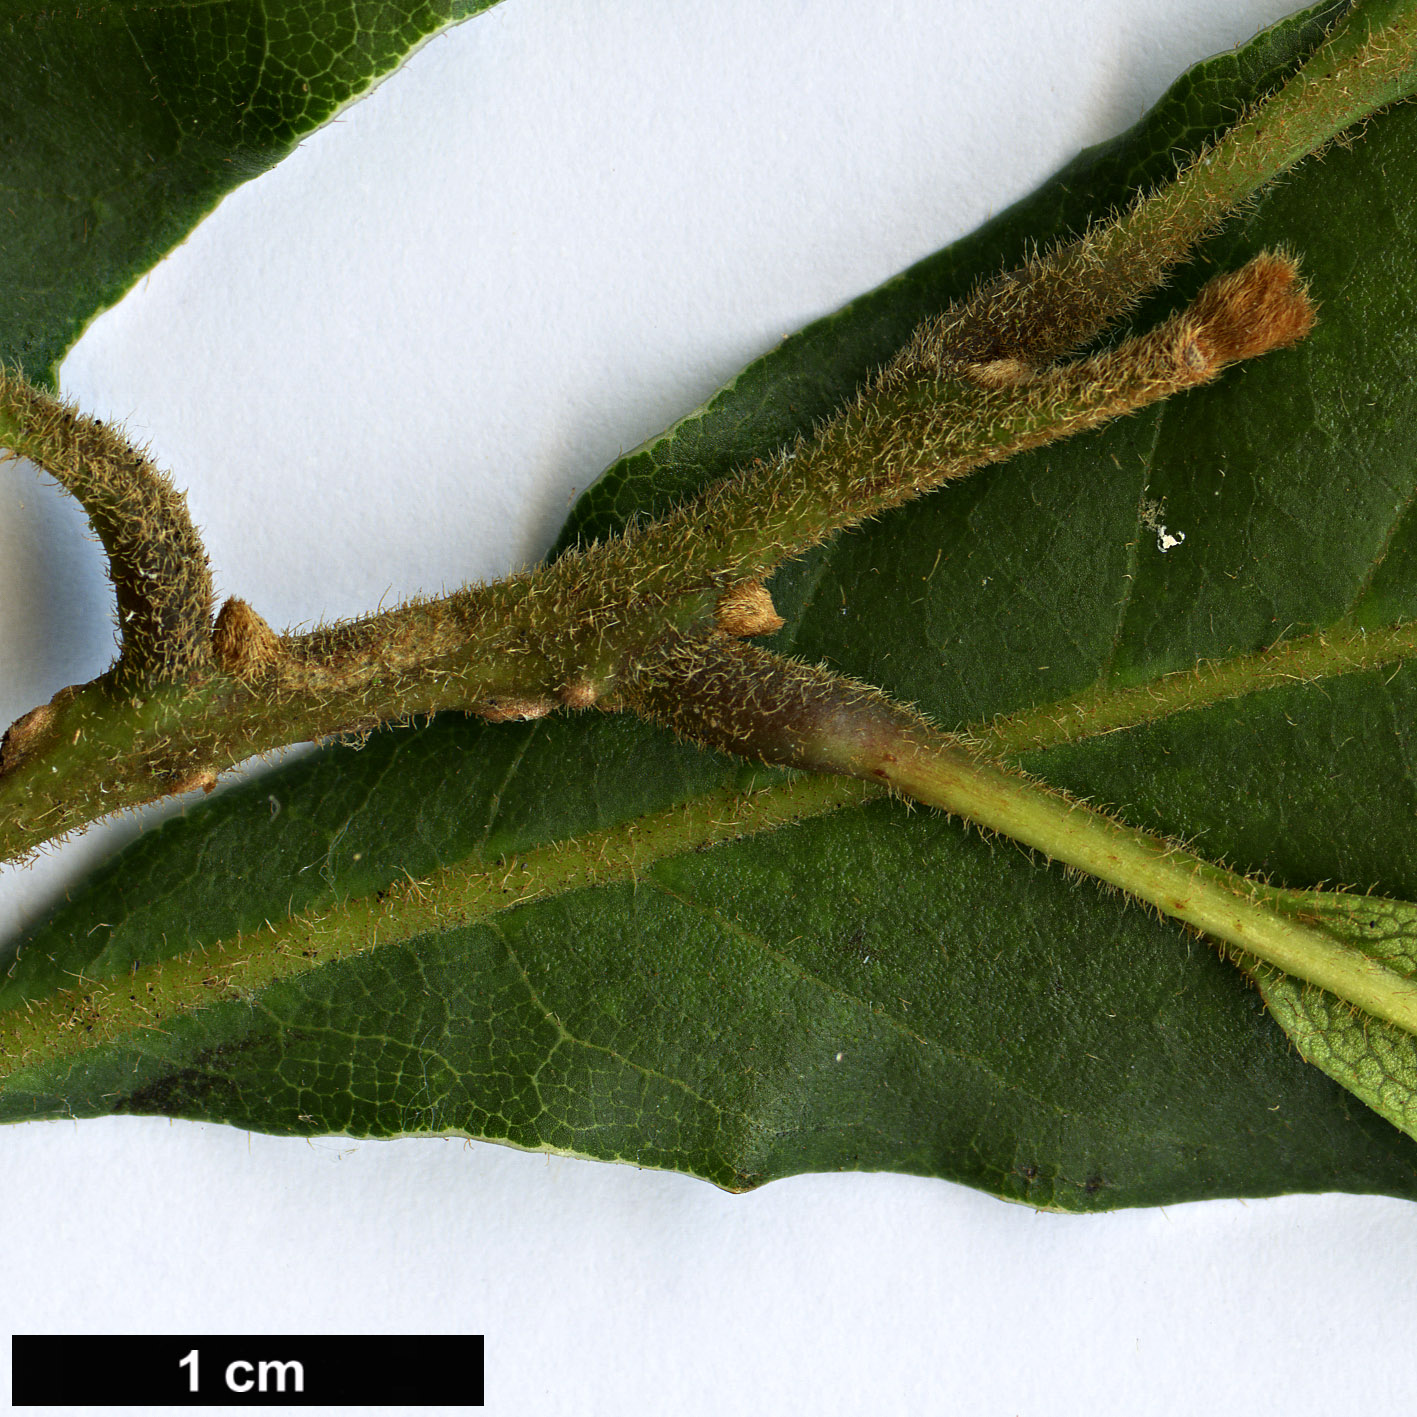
{"x": 156, "y": 559}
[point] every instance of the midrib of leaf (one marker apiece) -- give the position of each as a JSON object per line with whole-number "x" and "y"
{"x": 97, "y": 1012}
{"x": 1073, "y": 701}
{"x": 1344, "y": 649}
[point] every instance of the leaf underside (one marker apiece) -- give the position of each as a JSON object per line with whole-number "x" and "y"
{"x": 125, "y": 123}
{"x": 877, "y": 988}
{"x": 1372, "y": 1058}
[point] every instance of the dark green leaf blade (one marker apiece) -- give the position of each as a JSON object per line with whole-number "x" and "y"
{"x": 871, "y": 989}
{"x": 124, "y": 124}
{"x": 822, "y": 1018}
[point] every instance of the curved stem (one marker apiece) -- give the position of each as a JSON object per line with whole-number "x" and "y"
{"x": 568, "y": 634}
{"x": 155, "y": 556}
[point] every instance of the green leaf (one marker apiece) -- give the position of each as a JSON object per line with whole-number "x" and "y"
{"x": 1369, "y": 1056}
{"x": 863, "y": 986}
{"x": 124, "y": 124}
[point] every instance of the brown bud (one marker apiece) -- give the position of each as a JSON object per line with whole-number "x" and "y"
{"x": 510, "y": 710}
{"x": 201, "y": 779}
{"x": 24, "y": 735}
{"x": 1262, "y": 306}
{"x": 999, "y": 373}
{"x": 581, "y": 694}
{"x": 747, "y": 609}
{"x": 242, "y": 641}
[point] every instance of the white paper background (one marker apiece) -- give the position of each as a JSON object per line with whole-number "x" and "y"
{"x": 386, "y": 367}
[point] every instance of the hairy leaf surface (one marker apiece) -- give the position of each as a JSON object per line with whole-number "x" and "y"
{"x": 1372, "y": 1058}
{"x": 867, "y": 986}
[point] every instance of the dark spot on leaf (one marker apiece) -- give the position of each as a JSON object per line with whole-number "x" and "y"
{"x": 203, "y": 1088}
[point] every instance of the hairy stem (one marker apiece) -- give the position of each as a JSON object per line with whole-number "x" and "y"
{"x": 569, "y": 633}
{"x": 1219, "y": 903}
{"x": 905, "y": 436}
{"x": 187, "y": 699}
{"x": 1063, "y": 298}
{"x": 155, "y": 557}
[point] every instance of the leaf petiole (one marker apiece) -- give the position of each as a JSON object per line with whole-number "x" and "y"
{"x": 742, "y": 699}
{"x": 1224, "y": 905}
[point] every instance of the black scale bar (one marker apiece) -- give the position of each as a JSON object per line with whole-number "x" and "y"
{"x": 277, "y": 1370}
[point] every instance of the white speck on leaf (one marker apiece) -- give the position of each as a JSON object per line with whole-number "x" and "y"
{"x": 1150, "y": 516}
